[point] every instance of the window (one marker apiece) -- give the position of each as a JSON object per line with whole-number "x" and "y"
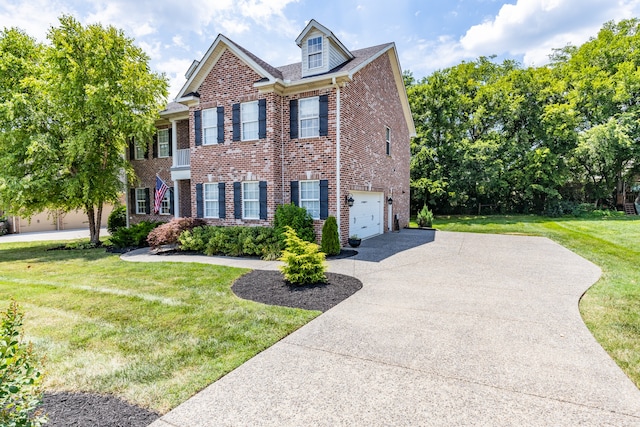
{"x": 210, "y": 126}
{"x": 163, "y": 143}
{"x": 249, "y": 120}
{"x": 314, "y": 50}
{"x": 387, "y": 137}
{"x": 250, "y": 200}
{"x": 310, "y": 197}
{"x": 210, "y": 197}
{"x": 165, "y": 206}
{"x": 139, "y": 150}
{"x": 141, "y": 201}
{"x": 309, "y": 114}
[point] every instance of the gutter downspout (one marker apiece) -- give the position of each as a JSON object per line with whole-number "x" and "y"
{"x": 338, "y": 193}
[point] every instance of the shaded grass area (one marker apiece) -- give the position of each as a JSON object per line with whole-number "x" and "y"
{"x": 151, "y": 333}
{"x": 611, "y": 307}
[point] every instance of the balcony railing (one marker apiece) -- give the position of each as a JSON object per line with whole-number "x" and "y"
{"x": 182, "y": 158}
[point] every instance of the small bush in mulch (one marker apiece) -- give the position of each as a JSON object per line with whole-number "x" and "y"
{"x": 303, "y": 262}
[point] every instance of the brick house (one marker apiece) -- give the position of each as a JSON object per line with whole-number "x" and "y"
{"x": 330, "y": 133}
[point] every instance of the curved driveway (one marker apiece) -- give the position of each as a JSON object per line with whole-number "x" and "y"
{"x": 470, "y": 329}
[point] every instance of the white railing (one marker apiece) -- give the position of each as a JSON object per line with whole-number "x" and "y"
{"x": 182, "y": 158}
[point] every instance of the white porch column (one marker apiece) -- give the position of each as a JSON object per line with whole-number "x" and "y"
{"x": 174, "y": 141}
{"x": 176, "y": 199}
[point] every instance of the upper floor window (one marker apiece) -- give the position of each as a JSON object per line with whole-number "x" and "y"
{"x": 141, "y": 201}
{"x": 249, "y": 120}
{"x": 163, "y": 143}
{"x": 139, "y": 149}
{"x": 314, "y": 52}
{"x": 310, "y": 197}
{"x": 209, "y": 126}
{"x": 211, "y": 205}
{"x": 387, "y": 136}
{"x": 250, "y": 200}
{"x": 309, "y": 115}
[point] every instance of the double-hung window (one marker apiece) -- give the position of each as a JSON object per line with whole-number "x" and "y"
{"x": 138, "y": 149}
{"x": 209, "y": 126}
{"x": 210, "y": 198}
{"x": 310, "y": 197}
{"x": 314, "y": 51}
{"x": 309, "y": 116}
{"x": 249, "y": 120}
{"x": 141, "y": 201}
{"x": 163, "y": 143}
{"x": 250, "y": 200}
{"x": 387, "y": 136}
{"x": 165, "y": 206}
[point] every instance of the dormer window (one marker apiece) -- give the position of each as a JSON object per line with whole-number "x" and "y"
{"x": 314, "y": 52}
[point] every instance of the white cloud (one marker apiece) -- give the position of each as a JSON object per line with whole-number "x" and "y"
{"x": 174, "y": 69}
{"x": 35, "y": 17}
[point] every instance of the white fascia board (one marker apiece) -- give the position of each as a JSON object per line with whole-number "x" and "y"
{"x": 286, "y": 88}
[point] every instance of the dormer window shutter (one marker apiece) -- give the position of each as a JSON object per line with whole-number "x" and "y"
{"x": 262, "y": 118}
{"x": 293, "y": 119}
{"x": 220, "y": 111}
{"x": 235, "y": 116}
{"x": 324, "y": 115}
{"x": 197, "y": 126}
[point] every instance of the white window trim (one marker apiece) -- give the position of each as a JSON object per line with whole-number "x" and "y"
{"x": 245, "y": 200}
{"x": 301, "y": 201}
{"x": 387, "y": 137}
{"x": 243, "y": 121}
{"x": 214, "y": 112}
{"x": 165, "y": 206}
{"x": 166, "y": 132}
{"x": 140, "y": 202}
{"x": 216, "y": 200}
{"x": 300, "y": 118}
{"x": 138, "y": 150}
{"x": 320, "y": 53}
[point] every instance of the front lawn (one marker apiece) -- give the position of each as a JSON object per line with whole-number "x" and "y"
{"x": 610, "y": 308}
{"x": 151, "y": 333}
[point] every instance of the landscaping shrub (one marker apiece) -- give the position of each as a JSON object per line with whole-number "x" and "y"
{"x": 168, "y": 233}
{"x": 117, "y": 219}
{"x": 20, "y": 375}
{"x": 295, "y": 217}
{"x": 330, "y": 243}
{"x": 425, "y": 217}
{"x": 232, "y": 241}
{"x": 303, "y": 261}
{"x": 134, "y": 236}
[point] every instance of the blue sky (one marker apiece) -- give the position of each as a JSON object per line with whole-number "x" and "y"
{"x": 429, "y": 34}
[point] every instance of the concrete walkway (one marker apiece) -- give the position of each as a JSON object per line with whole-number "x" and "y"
{"x": 39, "y": 236}
{"x": 470, "y": 329}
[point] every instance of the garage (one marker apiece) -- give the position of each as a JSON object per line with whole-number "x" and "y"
{"x": 365, "y": 216}
{"x": 55, "y": 220}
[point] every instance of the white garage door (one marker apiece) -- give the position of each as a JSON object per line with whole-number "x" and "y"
{"x": 365, "y": 216}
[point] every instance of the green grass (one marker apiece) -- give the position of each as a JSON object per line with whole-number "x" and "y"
{"x": 611, "y": 307}
{"x": 151, "y": 333}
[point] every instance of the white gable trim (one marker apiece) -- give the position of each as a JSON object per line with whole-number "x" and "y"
{"x": 210, "y": 59}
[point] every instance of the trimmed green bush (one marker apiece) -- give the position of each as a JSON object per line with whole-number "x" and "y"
{"x": 117, "y": 219}
{"x": 330, "y": 243}
{"x": 20, "y": 375}
{"x": 297, "y": 218}
{"x": 425, "y": 217}
{"x": 134, "y": 236}
{"x": 232, "y": 241}
{"x": 303, "y": 262}
{"x": 168, "y": 233}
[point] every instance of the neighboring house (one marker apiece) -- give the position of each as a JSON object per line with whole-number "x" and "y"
{"x": 244, "y": 137}
{"x": 52, "y": 220}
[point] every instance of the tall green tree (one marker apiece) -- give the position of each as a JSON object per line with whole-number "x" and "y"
{"x": 68, "y": 118}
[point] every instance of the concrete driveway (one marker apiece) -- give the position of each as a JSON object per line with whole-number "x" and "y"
{"x": 470, "y": 329}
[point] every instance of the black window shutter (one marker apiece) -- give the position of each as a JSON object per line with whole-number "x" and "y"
{"x": 295, "y": 193}
{"x": 132, "y": 149}
{"x": 197, "y": 126}
{"x": 155, "y": 146}
{"x": 170, "y": 142}
{"x": 324, "y": 199}
{"x": 222, "y": 207}
{"x": 324, "y": 115}
{"x": 237, "y": 200}
{"x": 171, "y": 210}
{"x": 147, "y": 202}
{"x": 199, "y": 202}
{"x": 263, "y": 199}
{"x": 262, "y": 118}
{"x": 220, "y": 111}
{"x": 293, "y": 119}
{"x": 132, "y": 201}
{"x": 235, "y": 118}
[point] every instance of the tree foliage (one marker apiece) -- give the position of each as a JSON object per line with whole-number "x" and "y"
{"x": 68, "y": 111}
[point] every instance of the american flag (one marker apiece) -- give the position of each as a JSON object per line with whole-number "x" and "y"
{"x": 161, "y": 189}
